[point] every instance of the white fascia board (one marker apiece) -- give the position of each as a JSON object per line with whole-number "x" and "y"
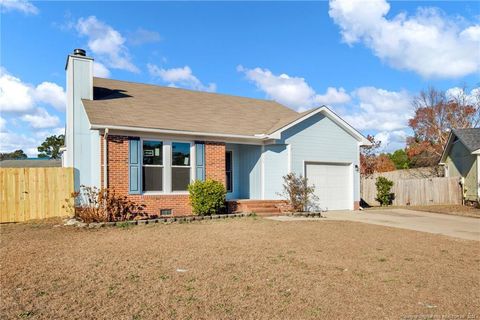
{"x": 332, "y": 116}
{"x": 447, "y": 147}
{"x": 476, "y": 151}
{"x": 179, "y": 132}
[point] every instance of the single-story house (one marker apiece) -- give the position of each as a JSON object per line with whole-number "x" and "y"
{"x": 461, "y": 158}
{"x": 149, "y": 142}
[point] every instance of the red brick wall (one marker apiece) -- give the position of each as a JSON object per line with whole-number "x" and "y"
{"x": 117, "y": 162}
{"x": 215, "y": 161}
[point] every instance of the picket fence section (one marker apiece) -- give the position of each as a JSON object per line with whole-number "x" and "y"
{"x": 416, "y": 192}
{"x": 34, "y": 193}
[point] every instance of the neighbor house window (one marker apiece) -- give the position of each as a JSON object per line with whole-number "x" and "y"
{"x": 180, "y": 166}
{"x": 152, "y": 172}
{"x": 228, "y": 171}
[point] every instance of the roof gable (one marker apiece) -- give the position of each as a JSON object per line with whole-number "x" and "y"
{"x": 469, "y": 137}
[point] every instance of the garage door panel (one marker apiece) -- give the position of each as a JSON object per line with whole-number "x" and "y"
{"x": 332, "y": 184}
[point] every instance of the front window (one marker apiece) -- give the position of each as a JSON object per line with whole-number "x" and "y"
{"x": 152, "y": 165}
{"x": 180, "y": 166}
{"x": 228, "y": 171}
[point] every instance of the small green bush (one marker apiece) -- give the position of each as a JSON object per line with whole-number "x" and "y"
{"x": 207, "y": 197}
{"x": 384, "y": 196}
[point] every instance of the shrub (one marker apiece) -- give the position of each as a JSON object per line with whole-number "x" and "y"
{"x": 298, "y": 193}
{"x": 384, "y": 196}
{"x": 92, "y": 204}
{"x": 207, "y": 197}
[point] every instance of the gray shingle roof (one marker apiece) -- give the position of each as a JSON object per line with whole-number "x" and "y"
{"x": 121, "y": 103}
{"x": 469, "y": 137}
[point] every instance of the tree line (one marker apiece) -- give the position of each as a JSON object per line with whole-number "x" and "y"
{"x": 49, "y": 149}
{"x": 436, "y": 114}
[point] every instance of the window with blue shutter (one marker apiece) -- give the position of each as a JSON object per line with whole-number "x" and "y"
{"x": 134, "y": 166}
{"x": 200, "y": 160}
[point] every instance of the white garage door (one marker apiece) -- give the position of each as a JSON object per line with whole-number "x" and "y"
{"x": 333, "y": 185}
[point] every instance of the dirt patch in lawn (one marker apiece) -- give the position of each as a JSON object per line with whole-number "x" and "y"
{"x": 249, "y": 268}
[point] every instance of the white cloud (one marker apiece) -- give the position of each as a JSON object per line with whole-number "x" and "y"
{"x": 428, "y": 43}
{"x": 106, "y": 43}
{"x": 333, "y": 96}
{"x": 142, "y": 36}
{"x": 99, "y": 70}
{"x": 41, "y": 119}
{"x": 391, "y": 140}
{"x": 379, "y": 109}
{"x": 180, "y": 77}
{"x": 472, "y": 97}
{"x": 17, "y": 96}
{"x": 18, "y": 5}
{"x": 52, "y": 94}
{"x": 14, "y": 141}
{"x": 293, "y": 92}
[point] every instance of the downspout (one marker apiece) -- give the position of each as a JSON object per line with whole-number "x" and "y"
{"x": 105, "y": 153}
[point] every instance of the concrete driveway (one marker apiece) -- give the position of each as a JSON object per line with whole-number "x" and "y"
{"x": 449, "y": 225}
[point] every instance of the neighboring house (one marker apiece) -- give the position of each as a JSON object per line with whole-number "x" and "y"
{"x": 461, "y": 158}
{"x": 30, "y": 163}
{"x": 159, "y": 139}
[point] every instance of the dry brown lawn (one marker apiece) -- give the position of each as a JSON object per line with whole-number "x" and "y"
{"x": 248, "y": 268}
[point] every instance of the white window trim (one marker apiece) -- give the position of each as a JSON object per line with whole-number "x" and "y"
{"x": 167, "y": 166}
{"x": 153, "y": 165}
{"x": 191, "y": 166}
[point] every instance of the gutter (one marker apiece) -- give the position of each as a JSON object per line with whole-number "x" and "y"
{"x": 105, "y": 153}
{"x": 191, "y": 133}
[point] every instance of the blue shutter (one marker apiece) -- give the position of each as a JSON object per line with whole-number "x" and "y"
{"x": 134, "y": 167}
{"x": 200, "y": 160}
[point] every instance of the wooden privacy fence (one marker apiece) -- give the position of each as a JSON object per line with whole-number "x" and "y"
{"x": 34, "y": 193}
{"x": 416, "y": 192}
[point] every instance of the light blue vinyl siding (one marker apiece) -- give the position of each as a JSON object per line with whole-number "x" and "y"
{"x": 275, "y": 166}
{"x": 86, "y": 159}
{"x": 319, "y": 139}
{"x": 250, "y": 175}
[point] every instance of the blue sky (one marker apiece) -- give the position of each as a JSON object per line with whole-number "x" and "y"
{"x": 364, "y": 59}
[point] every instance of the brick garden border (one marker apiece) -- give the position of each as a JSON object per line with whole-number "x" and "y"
{"x": 178, "y": 219}
{"x": 307, "y": 214}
